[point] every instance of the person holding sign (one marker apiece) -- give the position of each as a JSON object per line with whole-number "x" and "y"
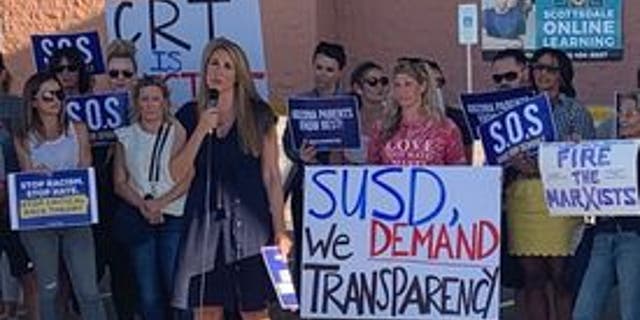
{"x": 68, "y": 65}
{"x": 544, "y": 243}
{"x": 329, "y": 60}
{"x": 615, "y": 255}
{"x": 416, "y": 131}
{"x": 49, "y": 142}
{"x": 142, "y": 178}
{"x": 235, "y": 203}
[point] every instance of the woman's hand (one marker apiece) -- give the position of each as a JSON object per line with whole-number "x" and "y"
{"x": 308, "y": 153}
{"x": 284, "y": 243}
{"x": 208, "y": 120}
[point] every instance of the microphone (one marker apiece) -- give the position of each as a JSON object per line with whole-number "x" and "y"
{"x": 212, "y": 101}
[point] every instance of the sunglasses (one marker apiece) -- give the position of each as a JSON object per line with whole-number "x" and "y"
{"x": 372, "y": 82}
{"x": 545, "y": 67}
{"x": 508, "y": 76}
{"x": 49, "y": 96}
{"x": 116, "y": 73}
{"x": 69, "y": 68}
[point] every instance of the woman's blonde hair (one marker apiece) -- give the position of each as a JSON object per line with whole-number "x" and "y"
{"x": 430, "y": 103}
{"x": 151, "y": 81}
{"x": 253, "y": 115}
{"x": 124, "y": 49}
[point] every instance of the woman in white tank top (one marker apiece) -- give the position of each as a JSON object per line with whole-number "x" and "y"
{"x": 49, "y": 142}
{"x": 154, "y": 201}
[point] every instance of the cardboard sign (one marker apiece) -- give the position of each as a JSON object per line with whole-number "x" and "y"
{"x": 56, "y": 199}
{"x": 101, "y": 113}
{"x": 326, "y": 123}
{"x": 519, "y": 130}
{"x": 170, "y": 36}
{"x": 591, "y": 178}
{"x": 393, "y": 242}
{"x": 86, "y": 42}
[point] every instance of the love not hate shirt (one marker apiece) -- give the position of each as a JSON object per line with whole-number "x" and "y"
{"x": 420, "y": 142}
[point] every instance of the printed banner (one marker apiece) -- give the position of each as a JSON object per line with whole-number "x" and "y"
{"x": 518, "y": 130}
{"x": 392, "y": 242}
{"x": 280, "y": 277}
{"x": 101, "y": 113}
{"x": 591, "y": 178}
{"x": 479, "y": 108}
{"x": 326, "y": 123}
{"x": 87, "y": 42}
{"x": 170, "y": 36}
{"x": 56, "y": 199}
{"x": 585, "y": 29}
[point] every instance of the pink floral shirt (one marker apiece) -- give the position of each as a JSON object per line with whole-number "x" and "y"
{"x": 422, "y": 142}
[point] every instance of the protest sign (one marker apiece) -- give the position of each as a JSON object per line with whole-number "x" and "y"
{"x": 519, "y": 130}
{"x": 326, "y": 123}
{"x": 88, "y": 43}
{"x": 591, "y": 178}
{"x": 102, "y": 114}
{"x": 481, "y": 107}
{"x": 392, "y": 242}
{"x": 280, "y": 276}
{"x": 584, "y": 29}
{"x": 170, "y": 36}
{"x": 56, "y": 199}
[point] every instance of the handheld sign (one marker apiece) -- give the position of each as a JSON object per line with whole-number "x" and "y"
{"x": 56, "y": 199}
{"x": 280, "y": 277}
{"x": 468, "y": 24}
{"x": 101, "y": 113}
{"x": 519, "y": 130}
{"x": 592, "y": 178}
{"x": 401, "y": 242}
{"x": 326, "y": 123}
{"x": 88, "y": 43}
{"x": 482, "y": 107}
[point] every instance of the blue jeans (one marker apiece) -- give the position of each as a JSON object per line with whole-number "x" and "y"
{"x": 154, "y": 262}
{"x": 43, "y": 247}
{"x": 615, "y": 258}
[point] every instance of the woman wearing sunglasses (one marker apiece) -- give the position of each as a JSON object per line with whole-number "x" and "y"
{"x": 111, "y": 249}
{"x": 48, "y": 141}
{"x": 543, "y": 243}
{"x": 371, "y": 86}
{"x": 68, "y": 65}
{"x": 121, "y": 65}
{"x": 416, "y": 130}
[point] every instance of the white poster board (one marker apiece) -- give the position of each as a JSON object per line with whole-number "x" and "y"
{"x": 401, "y": 243}
{"x": 591, "y": 178}
{"x": 171, "y": 34}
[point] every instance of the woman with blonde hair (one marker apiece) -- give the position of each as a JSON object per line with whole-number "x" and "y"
{"x": 235, "y": 203}
{"x": 415, "y": 131}
{"x": 154, "y": 200}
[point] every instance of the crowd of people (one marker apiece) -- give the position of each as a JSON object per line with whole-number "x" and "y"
{"x": 187, "y": 200}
